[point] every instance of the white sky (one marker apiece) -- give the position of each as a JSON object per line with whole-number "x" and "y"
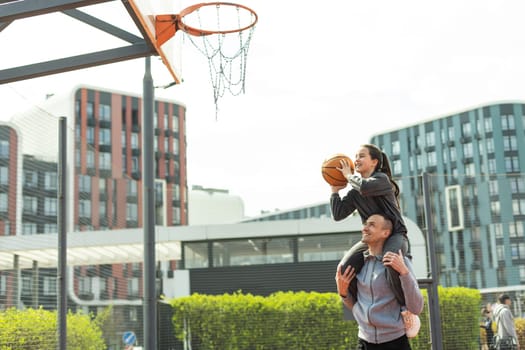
{"x": 322, "y": 78}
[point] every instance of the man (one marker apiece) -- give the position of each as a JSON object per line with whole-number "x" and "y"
{"x": 377, "y": 311}
{"x": 507, "y": 338}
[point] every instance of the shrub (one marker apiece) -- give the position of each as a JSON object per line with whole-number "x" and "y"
{"x": 37, "y": 329}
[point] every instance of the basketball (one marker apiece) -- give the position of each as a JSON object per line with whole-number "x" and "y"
{"x": 329, "y": 169}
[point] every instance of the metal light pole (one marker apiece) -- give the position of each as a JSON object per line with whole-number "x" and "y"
{"x": 433, "y": 299}
{"x": 62, "y": 233}
{"x": 148, "y": 183}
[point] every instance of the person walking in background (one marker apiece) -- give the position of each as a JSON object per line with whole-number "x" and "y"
{"x": 506, "y": 337}
{"x": 373, "y": 192}
{"x": 486, "y": 324}
{"x": 375, "y": 307}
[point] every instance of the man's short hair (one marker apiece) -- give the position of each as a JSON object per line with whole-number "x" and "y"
{"x": 387, "y": 221}
{"x": 503, "y": 297}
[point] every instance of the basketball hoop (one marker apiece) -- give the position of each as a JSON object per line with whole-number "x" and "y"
{"x": 222, "y": 32}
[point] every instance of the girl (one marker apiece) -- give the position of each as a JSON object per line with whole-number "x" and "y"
{"x": 372, "y": 192}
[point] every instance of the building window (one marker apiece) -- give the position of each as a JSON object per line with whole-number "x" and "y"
{"x": 50, "y": 206}
{"x": 50, "y": 285}
{"x": 131, "y": 212}
{"x": 396, "y": 167}
{"x": 490, "y": 145}
{"x": 84, "y": 285}
{"x": 522, "y": 274}
{"x": 518, "y": 206}
{"x": 84, "y": 183}
{"x": 123, "y": 138}
{"x": 517, "y": 251}
{"x": 90, "y": 158}
{"x": 430, "y": 138}
{"x": 90, "y": 110}
{"x": 4, "y": 202}
{"x": 133, "y": 287}
{"x": 26, "y": 285}
{"x": 470, "y": 169}
{"x": 175, "y": 215}
{"x": 431, "y": 158}
{"x": 102, "y": 209}
{"x": 517, "y": 185}
{"x": 252, "y": 251}
{"x": 512, "y": 164}
{"x": 452, "y": 152}
{"x": 4, "y": 175}
{"x": 176, "y": 192}
{"x": 488, "y": 124}
{"x": 30, "y": 178}
{"x": 134, "y": 164}
{"x": 466, "y": 129}
{"x": 516, "y": 229}
{"x": 102, "y": 185}
{"x": 29, "y": 228}
{"x": 166, "y": 120}
{"x": 175, "y": 123}
{"x": 104, "y": 112}
{"x": 418, "y": 162}
{"x": 493, "y": 187}
{"x": 30, "y": 204}
{"x": 175, "y": 146}
{"x": 196, "y": 255}
{"x": 468, "y": 150}
{"x": 50, "y": 228}
{"x": 51, "y": 180}
{"x": 132, "y": 187}
{"x": 496, "y": 230}
{"x": 104, "y": 136}
{"x": 451, "y": 134}
{"x": 454, "y": 208}
{"x": 166, "y": 167}
{"x": 90, "y": 135}
{"x": 4, "y": 149}
{"x": 105, "y": 160}
{"x": 492, "y": 166}
{"x": 84, "y": 208}
{"x": 3, "y": 284}
{"x": 323, "y": 247}
{"x": 495, "y": 208}
{"x": 134, "y": 140}
{"x": 510, "y": 143}
{"x": 507, "y": 122}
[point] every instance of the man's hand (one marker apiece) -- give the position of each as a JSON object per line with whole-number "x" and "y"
{"x": 343, "y": 280}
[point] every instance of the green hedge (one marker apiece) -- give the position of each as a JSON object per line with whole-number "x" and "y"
{"x": 37, "y": 329}
{"x": 309, "y": 321}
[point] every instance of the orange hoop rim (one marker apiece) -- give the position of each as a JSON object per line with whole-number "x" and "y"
{"x": 202, "y": 32}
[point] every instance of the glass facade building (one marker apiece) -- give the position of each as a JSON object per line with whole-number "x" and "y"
{"x": 475, "y": 160}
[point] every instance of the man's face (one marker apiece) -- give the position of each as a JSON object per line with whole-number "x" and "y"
{"x": 374, "y": 230}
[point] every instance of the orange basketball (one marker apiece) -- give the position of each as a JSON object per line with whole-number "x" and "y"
{"x": 329, "y": 169}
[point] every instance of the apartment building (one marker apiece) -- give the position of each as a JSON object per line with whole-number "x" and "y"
{"x": 475, "y": 160}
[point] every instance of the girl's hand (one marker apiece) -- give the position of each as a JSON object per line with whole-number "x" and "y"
{"x": 396, "y": 261}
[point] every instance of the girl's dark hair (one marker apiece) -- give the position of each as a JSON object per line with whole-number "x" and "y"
{"x": 383, "y": 165}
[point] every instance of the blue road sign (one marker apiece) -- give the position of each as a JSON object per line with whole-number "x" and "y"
{"x": 129, "y": 338}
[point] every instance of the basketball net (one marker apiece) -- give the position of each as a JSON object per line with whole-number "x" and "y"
{"x": 224, "y": 39}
